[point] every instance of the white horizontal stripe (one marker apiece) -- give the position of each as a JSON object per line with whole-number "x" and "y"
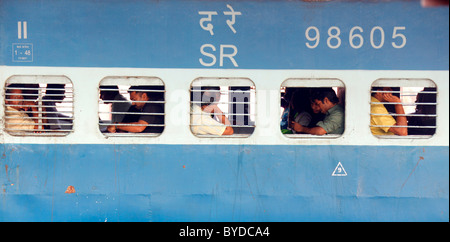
{"x": 178, "y": 82}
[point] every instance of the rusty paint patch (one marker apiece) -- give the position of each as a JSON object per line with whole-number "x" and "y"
{"x": 70, "y": 189}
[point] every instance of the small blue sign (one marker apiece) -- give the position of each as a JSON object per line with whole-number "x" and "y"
{"x": 22, "y": 52}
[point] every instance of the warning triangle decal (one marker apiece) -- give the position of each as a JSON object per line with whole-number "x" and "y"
{"x": 339, "y": 170}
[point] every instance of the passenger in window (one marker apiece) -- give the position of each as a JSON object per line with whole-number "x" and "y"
{"x": 17, "y": 119}
{"x": 55, "y": 93}
{"x": 317, "y": 115}
{"x": 424, "y": 109}
{"x": 30, "y": 95}
{"x": 341, "y": 95}
{"x": 119, "y": 103}
{"x": 146, "y": 115}
{"x": 285, "y": 104}
{"x": 390, "y": 125}
{"x": 327, "y": 102}
{"x": 207, "y": 118}
{"x": 391, "y": 106}
{"x": 300, "y": 108}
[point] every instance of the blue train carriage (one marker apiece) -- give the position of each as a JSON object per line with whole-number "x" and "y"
{"x": 108, "y": 110}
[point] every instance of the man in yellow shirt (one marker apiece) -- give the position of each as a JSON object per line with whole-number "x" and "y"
{"x": 382, "y": 123}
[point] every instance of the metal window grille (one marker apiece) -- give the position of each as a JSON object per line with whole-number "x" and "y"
{"x": 120, "y": 111}
{"x": 235, "y": 99}
{"x": 298, "y": 90}
{"x": 38, "y": 106}
{"x": 419, "y": 100}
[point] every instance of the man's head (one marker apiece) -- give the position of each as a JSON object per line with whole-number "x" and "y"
{"x": 14, "y": 96}
{"x": 210, "y": 95}
{"x": 323, "y": 99}
{"x": 56, "y": 92}
{"x": 206, "y": 95}
{"x": 108, "y": 93}
{"x": 377, "y": 92}
{"x": 315, "y": 108}
{"x": 140, "y": 95}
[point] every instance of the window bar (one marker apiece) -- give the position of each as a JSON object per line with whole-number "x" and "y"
{"x": 40, "y": 110}
{"x": 403, "y": 115}
{"x": 402, "y": 126}
{"x": 404, "y": 104}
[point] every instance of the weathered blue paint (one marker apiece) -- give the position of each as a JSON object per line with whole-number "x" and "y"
{"x": 223, "y": 183}
{"x": 269, "y": 34}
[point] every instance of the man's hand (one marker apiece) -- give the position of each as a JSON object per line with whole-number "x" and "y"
{"x": 112, "y": 128}
{"x": 388, "y": 97}
{"x": 296, "y": 126}
{"x": 213, "y": 108}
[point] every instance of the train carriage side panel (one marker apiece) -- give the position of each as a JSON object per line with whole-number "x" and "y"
{"x": 85, "y": 175}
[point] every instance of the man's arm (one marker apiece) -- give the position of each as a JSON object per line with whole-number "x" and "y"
{"x": 400, "y": 120}
{"x": 223, "y": 119}
{"x": 133, "y": 129}
{"x": 228, "y": 131}
{"x": 302, "y": 129}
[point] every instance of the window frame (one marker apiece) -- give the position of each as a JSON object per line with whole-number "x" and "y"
{"x": 409, "y": 83}
{"x": 130, "y": 81}
{"x": 314, "y": 83}
{"x": 69, "y": 93}
{"x": 229, "y": 83}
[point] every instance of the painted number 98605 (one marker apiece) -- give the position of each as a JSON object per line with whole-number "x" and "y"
{"x": 355, "y": 37}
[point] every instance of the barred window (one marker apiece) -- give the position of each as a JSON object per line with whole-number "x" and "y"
{"x": 312, "y": 108}
{"x": 403, "y": 107}
{"x": 222, "y": 107}
{"x": 39, "y": 106}
{"x": 130, "y": 106}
